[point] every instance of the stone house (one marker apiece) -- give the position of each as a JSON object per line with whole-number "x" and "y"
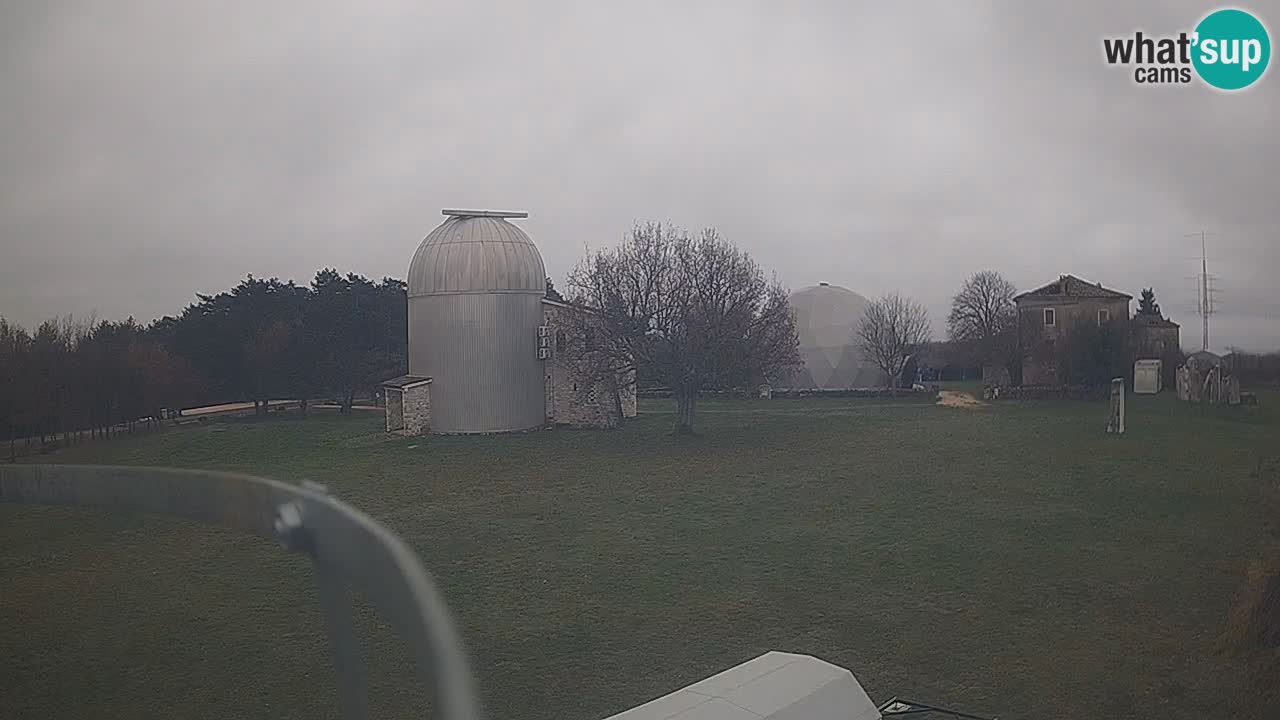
{"x": 1048, "y": 314}
{"x": 571, "y": 399}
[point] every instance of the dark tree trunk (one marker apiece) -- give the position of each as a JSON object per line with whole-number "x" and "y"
{"x": 686, "y": 405}
{"x": 302, "y": 406}
{"x": 617, "y": 402}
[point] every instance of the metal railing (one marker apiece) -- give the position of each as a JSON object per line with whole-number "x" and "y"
{"x": 350, "y": 553}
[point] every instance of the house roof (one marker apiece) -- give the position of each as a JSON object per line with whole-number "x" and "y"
{"x": 1072, "y": 286}
{"x": 569, "y": 306}
{"x": 1154, "y": 321}
{"x": 405, "y": 381}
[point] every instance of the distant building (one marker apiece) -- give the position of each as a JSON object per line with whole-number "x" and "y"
{"x": 949, "y": 360}
{"x": 1157, "y": 338}
{"x": 569, "y": 398}
{"x": 482, "y": 350}
{"x": 1205, "y": 359}
{"x": 827, "y": 319}
{"x": 1049, "y": 313}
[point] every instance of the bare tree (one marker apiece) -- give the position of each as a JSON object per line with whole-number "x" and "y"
{"x": 690, "y": 313}
{"x": 984, "y": 315}
{"x": 892, "y": 328}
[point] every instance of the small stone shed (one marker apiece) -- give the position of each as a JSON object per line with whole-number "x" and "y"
{"x": 408, "y": 401}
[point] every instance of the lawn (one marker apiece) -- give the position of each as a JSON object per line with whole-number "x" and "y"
{"x": 1010, "y": 560}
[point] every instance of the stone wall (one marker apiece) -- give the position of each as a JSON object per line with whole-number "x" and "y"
{"x": 791, "y": 393}
{"x": 394, "y": 409}
{"x": 417, "y": 409}
{"x": 1046, "y": 342}
{"x": 629, "y": 409}
{"x": 1056, "y": 392}
{"x": 569, "y": 398}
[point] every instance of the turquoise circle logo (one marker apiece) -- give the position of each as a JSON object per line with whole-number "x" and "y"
{"x": 1232, "y": 49}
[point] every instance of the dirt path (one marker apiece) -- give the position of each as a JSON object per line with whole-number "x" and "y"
{"x": 951, "y": 398}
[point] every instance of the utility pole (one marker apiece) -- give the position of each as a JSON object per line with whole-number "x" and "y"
{"x": 1206, "y": 304}
{"x": 1204, "y": 289}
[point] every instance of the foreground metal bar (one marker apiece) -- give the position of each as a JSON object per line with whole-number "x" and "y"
{"x": 335, "y": 604}
{"x": 359, "y": 553}
{"x": 896, "y": 707}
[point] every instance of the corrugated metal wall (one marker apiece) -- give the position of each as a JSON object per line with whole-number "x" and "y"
{"x": 481, "y": 351}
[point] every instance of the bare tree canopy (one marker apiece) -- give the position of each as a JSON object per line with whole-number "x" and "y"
{"x": 984, "y": 315}
{"x": 983, "y": 308}
{"x": 691, "y": 313}
{"x": 892, "y": 328}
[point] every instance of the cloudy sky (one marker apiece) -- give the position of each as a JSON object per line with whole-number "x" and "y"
{"x": 150, "y": 150}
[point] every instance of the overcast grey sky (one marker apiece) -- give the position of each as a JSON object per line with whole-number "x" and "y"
{"x": 150, "y": 150}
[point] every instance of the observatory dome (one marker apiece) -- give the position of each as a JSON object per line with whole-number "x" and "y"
{"x": 826, "y": 318}
{"x": 482, "y": 252}
{"x": 475, "y": 289}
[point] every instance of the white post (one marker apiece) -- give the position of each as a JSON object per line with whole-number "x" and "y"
{"x": 1115, "y": 421}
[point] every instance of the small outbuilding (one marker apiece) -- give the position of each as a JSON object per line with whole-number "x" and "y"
{"x": 1147, "y": 377}
{"x": 408, "y": 404}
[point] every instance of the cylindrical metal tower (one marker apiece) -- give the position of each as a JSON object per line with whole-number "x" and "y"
{"x": 476, "y": 285}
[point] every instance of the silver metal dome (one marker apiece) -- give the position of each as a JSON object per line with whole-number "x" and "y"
{"x": 827, "y": 317}
{"x": 476, "y": 252}
{"x": 476, "y": 285}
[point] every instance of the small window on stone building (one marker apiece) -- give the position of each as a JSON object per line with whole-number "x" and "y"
{"x": 589, "y": 339}
{"x": 561, "y": 340}
{"x": 1050, "y": 317}
{"x": 1104, "y": 315}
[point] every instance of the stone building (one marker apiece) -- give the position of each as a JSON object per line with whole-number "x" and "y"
{"x": 1154, "y": 337}
{"x": 572, "y": 398}
{"x": 1048, "y": 314}
{"x": 408, "y": 404}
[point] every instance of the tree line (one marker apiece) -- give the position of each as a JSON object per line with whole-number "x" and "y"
{"x": 337, "y": 338}
{"x": 687, "y": 312}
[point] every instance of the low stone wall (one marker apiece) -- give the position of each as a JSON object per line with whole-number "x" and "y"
{"x": 417, "y": 410}
{"x": 1056, "y": 392}
{"x": 788, "y": 393}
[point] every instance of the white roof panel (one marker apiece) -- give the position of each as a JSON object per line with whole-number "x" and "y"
{"x": 776, "y": 685}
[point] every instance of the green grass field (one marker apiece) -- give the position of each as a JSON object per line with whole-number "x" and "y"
{"x": 1010, "y": 560}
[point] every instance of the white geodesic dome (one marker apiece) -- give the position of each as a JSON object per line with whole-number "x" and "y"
{"x": 826, "y": 318}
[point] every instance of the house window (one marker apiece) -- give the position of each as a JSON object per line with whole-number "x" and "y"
{"x": 1104, "y": 315}
{"x": 1050, "y": 317}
